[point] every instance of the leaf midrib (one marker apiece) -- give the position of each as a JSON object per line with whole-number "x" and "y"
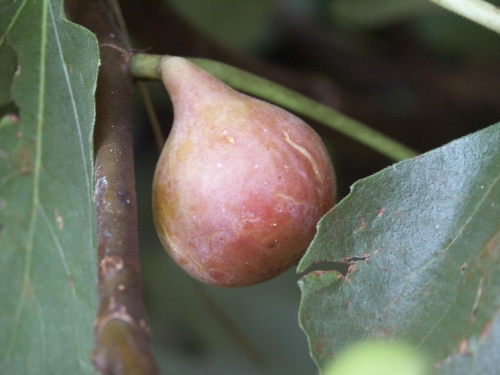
{"x": 36, "y": 177}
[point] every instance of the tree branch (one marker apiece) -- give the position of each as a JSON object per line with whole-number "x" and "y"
{"x": 121, "y": 331}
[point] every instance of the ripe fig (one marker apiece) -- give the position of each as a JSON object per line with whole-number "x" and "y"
{"x": 240, "y": 184}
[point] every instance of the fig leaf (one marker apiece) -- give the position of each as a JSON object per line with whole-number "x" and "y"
{"x": 422, "y": 242}
{"x": 48, "y": 266}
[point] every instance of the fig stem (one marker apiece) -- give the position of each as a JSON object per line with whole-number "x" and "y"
{"x": 146, "y": 66}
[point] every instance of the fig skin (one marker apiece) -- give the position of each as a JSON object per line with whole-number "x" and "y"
{"x": 240, "y": 184}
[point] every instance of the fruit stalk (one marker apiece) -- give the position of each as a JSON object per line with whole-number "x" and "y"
{"x": 145, "y": 66}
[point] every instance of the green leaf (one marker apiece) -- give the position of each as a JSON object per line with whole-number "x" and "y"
{"x": 48, "y": 269}
{"x": 423, "y": 241}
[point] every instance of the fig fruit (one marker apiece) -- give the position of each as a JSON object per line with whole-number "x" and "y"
{"x": 240, "y": 184}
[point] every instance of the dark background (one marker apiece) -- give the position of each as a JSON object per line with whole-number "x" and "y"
{"x": 404, "y": 67}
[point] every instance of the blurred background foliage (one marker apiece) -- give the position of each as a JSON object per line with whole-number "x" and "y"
{"x": 414, "y": 71}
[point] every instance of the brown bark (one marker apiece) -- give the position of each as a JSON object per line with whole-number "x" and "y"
{"x": 121, "y": 331}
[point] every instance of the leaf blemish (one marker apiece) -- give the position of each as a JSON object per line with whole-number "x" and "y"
{"x": 364, "y": 257}
{"x": 319, "y": 273}
{"x": 464, "y": 347}
{"x": 350, "y": 270}
{"x": 14, "y": 118}
{"x": 59, "y": 220}
{"x": 355, "y": 259}
{"x": 362, "y": 226}
{"x": 463, "y": 268}
{"x": 475, "y": 307}
{"x": 487, "y": 330}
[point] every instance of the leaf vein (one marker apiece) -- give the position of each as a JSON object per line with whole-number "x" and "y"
{"x": 13, "y": 21}
{"x": 72, "y": 98}
{"x": 481, "y": 201}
